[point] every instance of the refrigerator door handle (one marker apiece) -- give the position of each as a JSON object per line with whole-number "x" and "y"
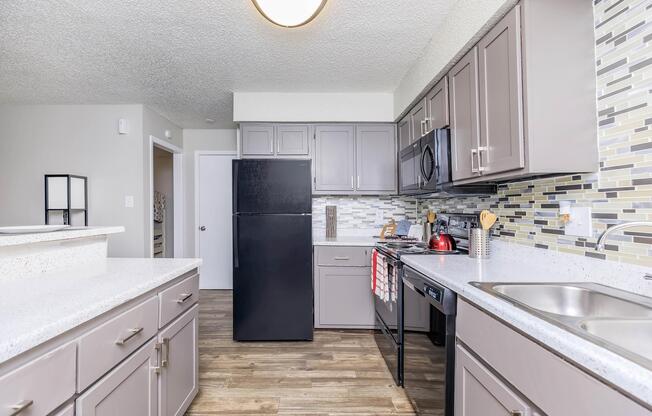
{"x": 236, "y": 261}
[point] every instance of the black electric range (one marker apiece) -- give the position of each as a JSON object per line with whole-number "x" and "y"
{"x": 407, "y": 310}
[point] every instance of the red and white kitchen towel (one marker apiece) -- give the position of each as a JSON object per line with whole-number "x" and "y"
{"x": 381, "y": 275}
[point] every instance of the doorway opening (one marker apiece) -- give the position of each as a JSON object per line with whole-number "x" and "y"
{"x": 165, "y": 210}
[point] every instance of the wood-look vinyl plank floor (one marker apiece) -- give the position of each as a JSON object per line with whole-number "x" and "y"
{"x": 339, "y": 373}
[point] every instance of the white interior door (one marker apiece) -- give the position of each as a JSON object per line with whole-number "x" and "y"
{"x": 215, "y": 227}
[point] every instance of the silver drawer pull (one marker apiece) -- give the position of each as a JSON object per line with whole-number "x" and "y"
{"x": 17, "y": 408}
{"x": 342, "y": 258}
{"x": 133, "y": 333}
{"x": 184, "y": 297}
{"x": 166, "y": 352}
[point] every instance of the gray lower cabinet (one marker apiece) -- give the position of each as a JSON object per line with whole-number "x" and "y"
{"x": 292, "y": 140}
{"x": 129, "y": 389}
{"x": 478, "y": 392}
{"x": 464, "y": 116}
{"x": 257, "y": 140}
{"x": 334, "y": 160}
{"x": 180, "y": 364}
{"x": 343, "y": 297}
{"x": 501, "y": 146}
{"x": 437, "y": 106}
{"x": 499, "y": 371}
{"x": 375, "y": 157}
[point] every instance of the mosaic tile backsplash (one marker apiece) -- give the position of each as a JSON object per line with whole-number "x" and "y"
{"x": 621, "y": 191}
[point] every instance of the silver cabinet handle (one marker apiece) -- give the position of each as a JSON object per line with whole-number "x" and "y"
{"x": 474, "y": 153}
{"x": 158, "y": 347}
{"x": 342, "y": 258}
{"x": 358, "y": 181}
{"x": 202, "y": 228}
{"x": 481, "y": 167}
{"x": 184, "y": 297}
{"x": 647, "y": 276}
{"x": 165, "y": 353}
{"x": 278, "y": 146}
{"x": 419, "y": 181}
{"x": 271, "y": 146}
{"x": 132, "y": 333}
{"x": 516, "y": 413}
{"x": 19, "y": 407}
{"x": 352, "y": 185}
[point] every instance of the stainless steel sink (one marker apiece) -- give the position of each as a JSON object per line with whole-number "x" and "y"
{"x": 617, "y": 320}
{"x": 572, "y": 300}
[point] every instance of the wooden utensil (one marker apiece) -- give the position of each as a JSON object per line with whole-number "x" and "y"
{"x": 388, "y": 229}
{"x": 431, "y": 217}
{"x": 487, "y": 219}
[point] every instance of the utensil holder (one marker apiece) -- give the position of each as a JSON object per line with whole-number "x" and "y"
{"x": 479, "y": 243}
{"x": 331, "y": 221}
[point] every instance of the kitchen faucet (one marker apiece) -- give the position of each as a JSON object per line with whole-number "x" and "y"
{"x": 600, "y": 244}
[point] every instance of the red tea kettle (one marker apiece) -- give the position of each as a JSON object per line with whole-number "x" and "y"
{"x": 442, "y": 242}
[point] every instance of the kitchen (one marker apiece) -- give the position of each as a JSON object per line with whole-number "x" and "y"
{"x": 462, "y": 227}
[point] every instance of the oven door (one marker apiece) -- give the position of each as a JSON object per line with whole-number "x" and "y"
{"x": 409, "y": 175}
{"x": 386, "y": 333}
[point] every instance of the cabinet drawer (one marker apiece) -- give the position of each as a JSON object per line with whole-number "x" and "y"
{"x": 46, "y": 382}
{"x": 344, "y": 256}
{"x": 177, "y": 299}
{"x": 108, "y": 344}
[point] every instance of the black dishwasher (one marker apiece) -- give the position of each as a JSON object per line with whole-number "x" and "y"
{"x": 429, "y": 357}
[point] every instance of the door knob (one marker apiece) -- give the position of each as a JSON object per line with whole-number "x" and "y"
{"x": 202, "y": 228}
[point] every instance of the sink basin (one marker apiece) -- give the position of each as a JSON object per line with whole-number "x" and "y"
{"x": 572, "y": 301}
{"x": 634, "y": 335}
{"x": 614, "y": 319}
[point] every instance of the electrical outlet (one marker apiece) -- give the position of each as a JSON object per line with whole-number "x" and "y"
{"x": 129, "y": 201}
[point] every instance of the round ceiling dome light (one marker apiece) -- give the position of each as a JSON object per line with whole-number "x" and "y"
{"x": 289, "y": 13}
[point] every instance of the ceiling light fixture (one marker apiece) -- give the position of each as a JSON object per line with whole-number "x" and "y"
{"x": 289, "y": 13}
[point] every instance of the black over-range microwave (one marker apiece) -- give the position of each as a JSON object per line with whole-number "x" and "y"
{"x": 425, "y": 168}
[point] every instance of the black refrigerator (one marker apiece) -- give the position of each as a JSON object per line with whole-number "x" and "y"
{"x": 272, "y": 250}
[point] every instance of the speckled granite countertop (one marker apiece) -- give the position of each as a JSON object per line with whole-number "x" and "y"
{"x": 37, "y": 308}
{"x": 518, "y": 263}
{"x": 7, "y": 240}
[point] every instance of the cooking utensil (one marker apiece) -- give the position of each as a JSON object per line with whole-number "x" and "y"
{"x": 487, "y": 219}
{"x": 389, "y": 229}
{"x": 431, "y": 217}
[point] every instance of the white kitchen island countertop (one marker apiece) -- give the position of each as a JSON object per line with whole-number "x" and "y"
{"x": 36, "y": 308}
{"x": 7, "y": 240}
{"x": 518, "y": 263}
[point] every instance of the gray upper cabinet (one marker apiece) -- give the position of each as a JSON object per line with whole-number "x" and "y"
{"x": 334, "y": 161}
{"x": 258, "y": 140}
{"x": 501, "y": 109}
{"x": 404, "y": 132}
{"x": 464, "y": 116}
{"x": 292, "y": 139}
{"x": 419, "y": 122}
{"x": 437, "y": 106}
{"x": 375, "y": 157}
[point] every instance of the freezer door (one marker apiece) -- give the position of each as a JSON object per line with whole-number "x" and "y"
{"x": 271, "y": 186}
{"x": 272, "y": 278}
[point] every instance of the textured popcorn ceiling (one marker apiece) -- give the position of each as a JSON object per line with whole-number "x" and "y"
{"x": 185, "y": 58}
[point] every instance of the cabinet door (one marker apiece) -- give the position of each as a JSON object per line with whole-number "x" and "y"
{"x": 437, "y": 105}
{"x": 404, "y": 132}
{"x": 292, "y": 139}
{"x": 258, "y": 140}
{"x": 478, "y": 392}
{"x": 375, "y": 158}
{"x": 418, "y": 115}
{"x": 501, "y": 109}
{"x": 333, "y": 159}
{"x": 463, "y": 79}
{"x": 345, "y": 298}
{"x": 129, "y": 389}
{"x": 179, "y": 364}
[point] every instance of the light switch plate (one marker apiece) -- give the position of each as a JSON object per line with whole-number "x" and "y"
{"x": 129, "y": 201}
{"x": 580, "y": 223}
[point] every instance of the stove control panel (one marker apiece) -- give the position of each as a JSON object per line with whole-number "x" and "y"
{"x": 435, "y": 293}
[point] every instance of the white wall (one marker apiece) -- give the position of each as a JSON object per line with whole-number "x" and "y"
{"x": 76, "y": 139}
{"x": 466, "y": 22}
{"x": 318, "y": 107}
{"x": 194, "y": 140}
